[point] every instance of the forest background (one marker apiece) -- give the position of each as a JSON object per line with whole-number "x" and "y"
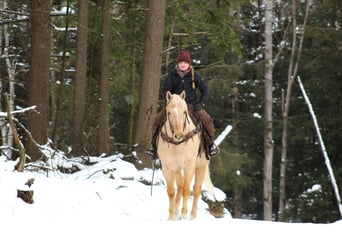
{"x": 76, "y": 74}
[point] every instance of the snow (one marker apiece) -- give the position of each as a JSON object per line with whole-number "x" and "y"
{"x": 107, "y": 204}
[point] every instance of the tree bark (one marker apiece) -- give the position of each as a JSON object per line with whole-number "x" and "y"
{"x": 103, "y": 133}
{"x": 38, "y": 87}
{"x": 150, "y": 82}
{"x": 268, "y": 131}
{"x": 80, "y": 77}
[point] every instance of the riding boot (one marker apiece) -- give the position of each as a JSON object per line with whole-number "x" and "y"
{"x": 152, "y": 150}
{"x": 158, "y": 121}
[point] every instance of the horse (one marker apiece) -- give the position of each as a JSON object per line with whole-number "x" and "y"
{"x": 181, "y": 156}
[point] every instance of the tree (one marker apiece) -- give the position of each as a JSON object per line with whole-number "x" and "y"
{"x": 80, "y": 77}
{"x": 96, "y": 124}
{"x": 38, "y": 87}
{"x": 292, "y": 72}
{"x": 103, "y": 132}
{"x": 268, "y": 132}
{"x": 150, "y": 81}
{"x": 6, "y": 131}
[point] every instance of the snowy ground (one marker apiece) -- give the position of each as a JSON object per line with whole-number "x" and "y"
{"x": 106, "y": 206}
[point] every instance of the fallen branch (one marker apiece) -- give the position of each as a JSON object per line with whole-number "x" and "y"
{"x": 325, "y": 154}
{"x": 22, "y": 156}
{"x": 223, "y": 135}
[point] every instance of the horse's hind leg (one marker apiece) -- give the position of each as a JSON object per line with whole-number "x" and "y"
{"x": 197, "y": 189}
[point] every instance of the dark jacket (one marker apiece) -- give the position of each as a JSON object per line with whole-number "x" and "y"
{"x": 175, "y": 84}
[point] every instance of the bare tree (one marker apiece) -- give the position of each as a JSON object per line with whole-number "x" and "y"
{"x": 80, "y": 77}
{"x": 292, "y": 72}
{"x": 268, "y": 131}
{"x": 38, "y": 87}
{"x": 150, "y": 82}
{"x": 11, "y": 62}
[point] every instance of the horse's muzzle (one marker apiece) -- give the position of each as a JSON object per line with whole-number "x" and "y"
{"x": 178, "y": 137}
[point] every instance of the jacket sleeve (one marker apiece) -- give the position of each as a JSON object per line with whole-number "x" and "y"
{"x": 167, "y": 85}
{"x": 203, "y": 88}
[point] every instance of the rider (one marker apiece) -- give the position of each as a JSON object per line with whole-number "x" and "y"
{"x": 184, "y": 77}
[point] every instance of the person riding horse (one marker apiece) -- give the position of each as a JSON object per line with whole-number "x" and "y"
{"x": 184, "y": 77}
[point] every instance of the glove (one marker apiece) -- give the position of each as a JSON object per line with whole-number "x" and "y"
{"x": 199, "y": 106}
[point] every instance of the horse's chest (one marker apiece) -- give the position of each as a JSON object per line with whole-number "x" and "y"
{"x": 177, "y": 156}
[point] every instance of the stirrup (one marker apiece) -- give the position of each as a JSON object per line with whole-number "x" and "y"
{"x": 151, "y": 152}
{"x": 213, "y": 151}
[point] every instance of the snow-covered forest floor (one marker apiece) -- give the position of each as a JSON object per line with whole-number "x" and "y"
{"x": 108, "y": 205}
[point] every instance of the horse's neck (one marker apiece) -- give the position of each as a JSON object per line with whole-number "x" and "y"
{"x": 189, "y": 125}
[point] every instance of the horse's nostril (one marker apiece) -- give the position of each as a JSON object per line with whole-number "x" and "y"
{"x": 178, "y": 137}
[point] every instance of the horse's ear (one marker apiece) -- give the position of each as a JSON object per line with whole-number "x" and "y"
{"x": 182, "y": 95}
{"x": 168, "y": 96}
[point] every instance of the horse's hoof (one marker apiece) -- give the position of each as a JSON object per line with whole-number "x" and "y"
{"x": 172, "y": 217}
{"x": 184, "y": 216}
{"x": 193, "y": 216}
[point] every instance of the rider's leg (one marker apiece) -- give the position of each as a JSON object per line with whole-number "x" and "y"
{"x": 158, "y": 121}
{"x": 207, "y": 122}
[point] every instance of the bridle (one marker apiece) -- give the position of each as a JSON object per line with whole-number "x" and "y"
{"x": 186, "y": 137}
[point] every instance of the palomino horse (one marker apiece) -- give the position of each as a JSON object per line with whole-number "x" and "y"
{"x": 178, "y": 150}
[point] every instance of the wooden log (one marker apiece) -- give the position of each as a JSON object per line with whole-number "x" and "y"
{"x": 25, "y": 195}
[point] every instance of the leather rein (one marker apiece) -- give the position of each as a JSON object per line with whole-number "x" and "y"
{"x": 185, "y": 138}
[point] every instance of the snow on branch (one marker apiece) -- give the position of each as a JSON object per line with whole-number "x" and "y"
{"x": 20, "y": 111}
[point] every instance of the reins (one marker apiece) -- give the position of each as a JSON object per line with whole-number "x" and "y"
{"x": 186, "y": 137}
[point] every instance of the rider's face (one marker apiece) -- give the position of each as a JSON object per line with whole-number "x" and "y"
{"x": 183, "y": 66}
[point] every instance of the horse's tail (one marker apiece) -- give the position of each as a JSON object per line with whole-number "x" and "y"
{"x": 207, "y": 181}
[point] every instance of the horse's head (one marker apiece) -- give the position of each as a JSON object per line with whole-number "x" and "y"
{"x": 177, "y": 114}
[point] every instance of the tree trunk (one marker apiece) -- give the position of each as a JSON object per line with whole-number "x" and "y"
{"x": 292, "y": 72}
{"x": 103, "y": 133}
{"x": 38, "y": 87}
{"x": 57, "y": 118}
{"x": 80, "y": 77}
{"x": 7, "y": 133}
{"x": 150, "y": 82}
{"x": 268, "y": 136}
{"x": 235, "y": 140}
{"x": 131, "y": 104}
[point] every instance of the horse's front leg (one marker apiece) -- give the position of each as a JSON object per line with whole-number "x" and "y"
{"x": 187, "y": 179}
{"x": 170, "y": 181}
{"x": 179, "y": 184}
